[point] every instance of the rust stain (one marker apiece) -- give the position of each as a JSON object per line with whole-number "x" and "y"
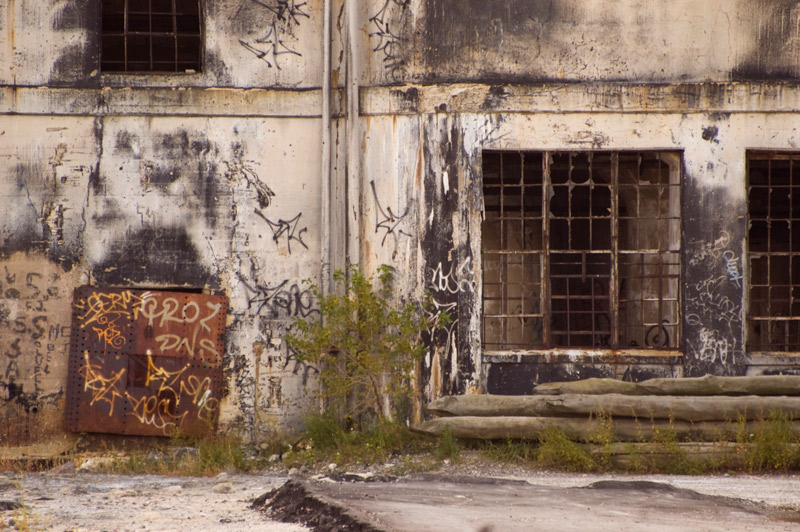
{"x": 418, "y": 174}
{"x": 436, "y": 375}
{"x": 145, "y": 362}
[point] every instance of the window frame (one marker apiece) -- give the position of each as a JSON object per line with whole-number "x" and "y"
{"x": 754, "y": 273}
{"x": 190, "y": 58}
{"x": 546, "y": 313}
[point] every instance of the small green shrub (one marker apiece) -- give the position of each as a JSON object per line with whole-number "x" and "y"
{"x": 325, "y": 431}
{"x": 203, "y": 456}
{"x": 603, "y": 437}
{"x": 447, "y": 446}
{"x": 668, "y": 456}
{"x": 557, "y": 450}
{"x": 326, "y": 440}
{"x": 364, "y": 347}
{"x": 772, "y": 446}
{"x": 521, "y": 452}
{"x": 222, "y": 452}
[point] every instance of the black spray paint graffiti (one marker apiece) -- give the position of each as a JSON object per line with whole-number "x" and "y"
{"x": 238, "y": 170}
{"x": 290, "y": 357}
{"x": 282, "y": 16}
{"x": 31, "y": 341}
{"x": 280, "y": 355}
{"x": 284, "y": 300}
{"x": 386, "y": 220}
{"x": 388, "y": 39}
{"x": 238, "y": 371}
{"x": 286, "y": 228}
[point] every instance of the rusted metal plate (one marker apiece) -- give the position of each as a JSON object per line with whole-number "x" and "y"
{"x": 145, "y": 362}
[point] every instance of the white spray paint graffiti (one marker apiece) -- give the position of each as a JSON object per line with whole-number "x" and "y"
{"x": 715, "y": 303}
{"x": 713, "y": 347}
{"x": 442, "y": 287}
{"x": 457, "y": 279}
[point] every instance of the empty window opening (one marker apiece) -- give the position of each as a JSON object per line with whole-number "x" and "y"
{"x": 151, "y": 36}
{"x": 581, "y": 250}
{"x": 773, "y": 249}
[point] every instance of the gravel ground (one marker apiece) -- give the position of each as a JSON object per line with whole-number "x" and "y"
{"x": 68, "y": 500}
{"x": 97, "y": 502}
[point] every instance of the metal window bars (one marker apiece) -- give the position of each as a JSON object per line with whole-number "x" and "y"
{"x": 773, "y": 252}
{"x": 601, "y": 269}
{"x": 151, "y": 36}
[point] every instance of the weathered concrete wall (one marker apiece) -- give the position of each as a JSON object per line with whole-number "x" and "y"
{"x": 211, "y": 181}
{"x": 227, "y": 205}
{"x": 247, "y": 44}
{"x": 500, "y": 41}
{"x": 713, "y": 134}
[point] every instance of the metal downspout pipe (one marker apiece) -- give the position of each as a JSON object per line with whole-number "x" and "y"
{"x": 325, "y": 209}
{"x": 353, "y": 186}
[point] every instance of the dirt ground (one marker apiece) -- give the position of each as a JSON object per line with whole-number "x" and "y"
{"x": 84, "y": 502}
{"x": 469, "y": 496}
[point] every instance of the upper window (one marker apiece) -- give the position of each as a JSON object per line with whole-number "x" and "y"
{"x": 151, "y": 36}
{"x": 773, "y": 252}
{"x": 581, "y": 250}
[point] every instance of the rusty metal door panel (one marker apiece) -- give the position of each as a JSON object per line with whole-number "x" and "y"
{"x": 145, "y": 362}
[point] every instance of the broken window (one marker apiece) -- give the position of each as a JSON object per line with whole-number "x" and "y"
{"x": 151, "y": 36}
{"x": 773, "y": 252}
{"x": 581, "y": 250}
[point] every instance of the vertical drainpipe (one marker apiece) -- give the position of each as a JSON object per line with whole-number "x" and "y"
{"x": 353, "y": 186}
{"x": 325, "y": 200}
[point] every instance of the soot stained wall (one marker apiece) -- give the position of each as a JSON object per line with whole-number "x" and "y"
{"x": 590, "y": 40}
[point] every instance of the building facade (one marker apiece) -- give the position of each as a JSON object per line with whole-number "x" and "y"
{"x": 589, "y": 188}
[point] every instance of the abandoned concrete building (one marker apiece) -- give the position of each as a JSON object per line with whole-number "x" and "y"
{"x": 590, "y": 188}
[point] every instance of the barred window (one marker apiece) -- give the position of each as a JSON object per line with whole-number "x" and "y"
{"x": 151, "y": 36}
{"x": 773, "y": 252}
{"x": 581, "y": 250}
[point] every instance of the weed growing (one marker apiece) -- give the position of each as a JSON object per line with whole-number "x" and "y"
{"x": 182, "y": 455}
{"x": 522, "y": 452}
{"x": 771, "y": 446}
{"x": 558, "y": 451}
{"x": 326, "y": 440}
{"x": 668, "y": 456}
{"x": 447, "y": 447}
{"x": 21, "y": 517}
{"x": 364, "y": 344}
{"x": 603, "y": 438}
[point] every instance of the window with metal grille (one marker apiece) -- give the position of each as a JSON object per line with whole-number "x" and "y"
{"x": 151, "y": 36}
{"x": 581, "y": 250}
{"x": 773, "y": 252}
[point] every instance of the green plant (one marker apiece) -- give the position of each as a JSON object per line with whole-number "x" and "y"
{"x": 21, "y": 516}
{"x": 510, "y": 451}
{"x": 669, "y": 457}
{"x": 326, "y": 440}
{"x": 447, "y": 446}
{"x": 557, "y": 450}
{"x": 364, "y": 347}
{"x": 181, "y": 455}
{"x": 603, "y": 437}
{"x": 218, "y": 453}
{"x": 771, "y": 446}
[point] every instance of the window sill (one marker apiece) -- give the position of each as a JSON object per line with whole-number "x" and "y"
{"x": 773, "y": 358}
{"x": 585, "y": 356}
